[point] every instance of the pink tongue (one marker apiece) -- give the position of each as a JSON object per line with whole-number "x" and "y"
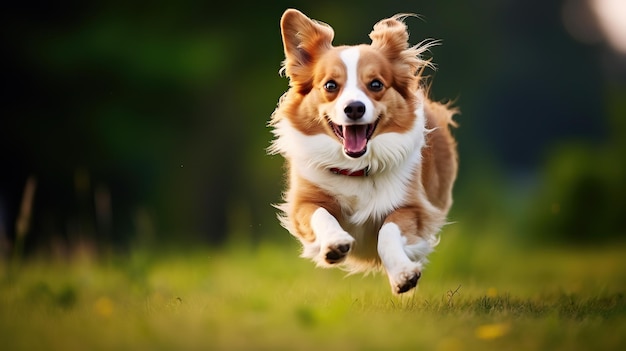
{"x": 355, "y": 138}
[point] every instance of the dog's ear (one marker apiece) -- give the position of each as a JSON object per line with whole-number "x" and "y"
{"x": 390, "y": 36}
{"x": 304, "y": 41}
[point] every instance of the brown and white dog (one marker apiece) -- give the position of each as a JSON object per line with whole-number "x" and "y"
{"x": 370, "y": 159}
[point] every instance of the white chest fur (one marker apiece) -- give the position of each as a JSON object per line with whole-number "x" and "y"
{"x": 391, "y": 158}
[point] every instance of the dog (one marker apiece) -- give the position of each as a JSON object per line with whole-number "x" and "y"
{"x": 370, "y": 160}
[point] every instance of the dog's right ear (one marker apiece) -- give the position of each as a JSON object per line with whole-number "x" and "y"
{"x": 304, "y": 41}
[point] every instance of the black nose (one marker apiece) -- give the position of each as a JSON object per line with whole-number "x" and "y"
{"x": 355, "y": 110}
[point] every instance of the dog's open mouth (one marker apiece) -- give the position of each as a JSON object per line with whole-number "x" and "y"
{"x": 354, "y": 137}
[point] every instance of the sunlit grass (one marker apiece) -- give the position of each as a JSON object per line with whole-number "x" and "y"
{"x": 475, "y": 294}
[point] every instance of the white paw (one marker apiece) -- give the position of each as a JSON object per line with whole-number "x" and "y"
{"x": 336, "y": 248}
{"x": 405, "y": 277}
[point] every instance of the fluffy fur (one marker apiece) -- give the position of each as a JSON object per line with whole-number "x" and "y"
{"x": 370, "y": 159}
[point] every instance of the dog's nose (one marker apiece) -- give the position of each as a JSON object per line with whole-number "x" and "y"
{"x": 355, "y": 110}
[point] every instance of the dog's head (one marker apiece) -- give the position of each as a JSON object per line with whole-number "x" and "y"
{"x": 351, "y": 94}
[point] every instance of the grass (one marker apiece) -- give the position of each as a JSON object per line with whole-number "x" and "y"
{"x": 476, "y": 294}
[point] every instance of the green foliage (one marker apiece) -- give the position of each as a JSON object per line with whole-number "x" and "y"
{"x": 583, "y": 195}
{"x": 165, "y": 106}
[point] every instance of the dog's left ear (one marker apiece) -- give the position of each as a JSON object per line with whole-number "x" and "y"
{"x": 390, "y": 36}
{"x": 304, "y": 40}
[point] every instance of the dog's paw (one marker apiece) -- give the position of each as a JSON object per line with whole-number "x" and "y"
{"x": 405, "y": 278}
{"x": 335, "y": 251}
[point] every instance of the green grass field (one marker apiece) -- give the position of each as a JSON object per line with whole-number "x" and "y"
{"x": 476, "y": 294}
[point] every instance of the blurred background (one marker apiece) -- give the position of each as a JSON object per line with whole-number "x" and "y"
{"x": 144, "y": 124}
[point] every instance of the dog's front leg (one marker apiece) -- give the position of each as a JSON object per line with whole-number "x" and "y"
{"x": 322, "y": 237}
{"x": 402, "y": 251}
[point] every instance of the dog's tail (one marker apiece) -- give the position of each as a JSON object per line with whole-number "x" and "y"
{"x": 440, "y": 160}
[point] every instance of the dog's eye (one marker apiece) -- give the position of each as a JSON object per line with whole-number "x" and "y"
{"x": 330, "y": 86}
{"x": 376, "y": 85}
